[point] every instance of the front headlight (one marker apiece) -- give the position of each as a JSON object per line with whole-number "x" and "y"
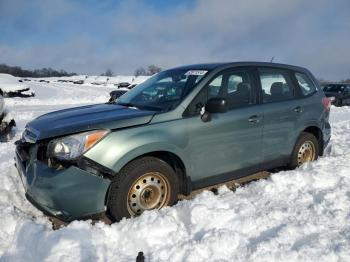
{"x": 71, "y": 147}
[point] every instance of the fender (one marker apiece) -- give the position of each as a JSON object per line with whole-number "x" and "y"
{"x": 311, "y": 123}
{"x": 122, "y": 146}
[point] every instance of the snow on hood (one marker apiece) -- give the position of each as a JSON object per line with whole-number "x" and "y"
{"x": 9, "y": 83}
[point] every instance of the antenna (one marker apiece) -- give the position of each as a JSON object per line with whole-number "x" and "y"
{"x": 272, "y": 58}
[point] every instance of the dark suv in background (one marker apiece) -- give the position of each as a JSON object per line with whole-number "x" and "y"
{"x": 183, "y": 129}
{"x": 339, "y": 92}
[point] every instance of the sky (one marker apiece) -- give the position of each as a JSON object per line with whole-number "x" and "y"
{"x": 90, "y": 36}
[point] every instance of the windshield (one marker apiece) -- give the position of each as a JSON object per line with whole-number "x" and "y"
{"x": 164, "y": 91}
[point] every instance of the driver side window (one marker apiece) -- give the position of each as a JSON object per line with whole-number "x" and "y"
{"x": 209, "y": 91}
{"x": 235, "y": 86}
{"x": 214, "y": 87}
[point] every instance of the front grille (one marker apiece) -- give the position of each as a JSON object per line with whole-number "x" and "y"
{"x": 42, "y": 152}
{"x": 23, "y": 150}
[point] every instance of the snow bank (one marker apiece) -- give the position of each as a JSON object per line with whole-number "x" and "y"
{"x": 9, "y": 83}
{"x": 300, "y": 215}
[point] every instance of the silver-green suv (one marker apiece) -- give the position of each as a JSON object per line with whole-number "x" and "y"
{"x": 183, "y": 129}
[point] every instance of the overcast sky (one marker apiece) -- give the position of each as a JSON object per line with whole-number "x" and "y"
{"x": 89, "y": 36}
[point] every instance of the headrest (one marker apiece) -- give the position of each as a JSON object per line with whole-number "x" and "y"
{"x": 276, "y": 88}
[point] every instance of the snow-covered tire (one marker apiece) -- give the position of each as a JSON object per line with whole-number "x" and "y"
{"x": 305, "y": 150}
{"x": 144, "y": 184}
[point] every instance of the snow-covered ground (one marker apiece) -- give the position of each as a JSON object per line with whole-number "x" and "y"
{"x": 300, "y": 215}
{"x": 106, "y": 81}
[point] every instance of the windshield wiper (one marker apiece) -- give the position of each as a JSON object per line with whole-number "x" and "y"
{"x": 145, "y": 107}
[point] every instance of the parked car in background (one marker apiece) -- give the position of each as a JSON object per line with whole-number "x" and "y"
{"x": 183, "y": 129}
{"x": 114, "y": 95}
{"x": 78, "y": 82}
{"x": 6, "y": 121}
{"x": 340, "y": 92}
{"x": 123, "y": 85}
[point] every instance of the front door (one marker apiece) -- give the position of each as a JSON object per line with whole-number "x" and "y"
{"x": 231, "y": 141}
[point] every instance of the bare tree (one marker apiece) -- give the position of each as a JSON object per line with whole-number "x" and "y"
{"x": 109, "y": 72}
{"x": 153, "y": 69}
{"x": 140, "y": 71}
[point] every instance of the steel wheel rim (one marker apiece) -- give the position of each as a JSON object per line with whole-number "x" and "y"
{"x": 150, "y": 191}
{"x": 306, "y": 153}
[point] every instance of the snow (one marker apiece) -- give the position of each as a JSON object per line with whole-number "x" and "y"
{"x": 300, "y": 215}
{"x": 106, "y": 81}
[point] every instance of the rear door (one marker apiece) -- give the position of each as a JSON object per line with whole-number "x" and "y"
{"x": 281, "y": 112}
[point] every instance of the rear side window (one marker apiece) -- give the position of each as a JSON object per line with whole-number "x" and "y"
{"x": 307, "y": 87}
{"x": 276, "y": 85}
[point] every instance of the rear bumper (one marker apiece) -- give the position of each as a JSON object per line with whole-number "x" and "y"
{"x": 67, "y": 194}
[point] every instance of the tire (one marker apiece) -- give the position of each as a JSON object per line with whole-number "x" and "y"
{"x": 143, "y": 184}
{"x": 305, "y": 150}
{"x": 339, "y": 102}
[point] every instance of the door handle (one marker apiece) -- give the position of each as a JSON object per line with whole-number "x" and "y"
{"x": 298, "y": 109}
{"x": 254, "y": 119}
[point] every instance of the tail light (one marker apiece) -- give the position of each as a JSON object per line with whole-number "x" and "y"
{"x": 327, "y": 102}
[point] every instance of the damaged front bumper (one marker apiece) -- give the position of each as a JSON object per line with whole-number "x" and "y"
{"x": 68, "y": 194}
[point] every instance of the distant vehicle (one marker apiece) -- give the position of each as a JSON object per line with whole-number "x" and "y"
{"x": 131, "y": 86}
{"x": 183, "y": 129}
{"x": 26, "y": 92}
{"x": 123, "y": 85}
{"x": 340, "y": 92}
{"x": 78, "y": 82}
{"x": 97, "y": 83}
{"x": 44, "y": 81}
{"x": 6, "y": 121}
{"x": 114, "y": 95}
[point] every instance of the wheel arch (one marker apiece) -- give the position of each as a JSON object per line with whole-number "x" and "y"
{"x": 317, "y": 132}
{"x": 173, "y": 160}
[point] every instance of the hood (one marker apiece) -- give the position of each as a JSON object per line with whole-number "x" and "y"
{"x": 79, "y": 119}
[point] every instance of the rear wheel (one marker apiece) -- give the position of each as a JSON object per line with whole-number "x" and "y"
{"x": 144, "y": 184}
{"x": 306, "y": 150}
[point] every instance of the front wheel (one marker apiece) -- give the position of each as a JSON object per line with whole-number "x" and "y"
{"x": 144, "y": 184}
{"x": 306, "y": 150}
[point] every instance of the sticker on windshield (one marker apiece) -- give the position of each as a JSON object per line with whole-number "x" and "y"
{"x": 196, "y": 72}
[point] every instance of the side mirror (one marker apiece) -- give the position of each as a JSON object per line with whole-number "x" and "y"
{"x": 214, "y": 105}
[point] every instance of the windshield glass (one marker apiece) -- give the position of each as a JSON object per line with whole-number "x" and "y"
{"x": 164, "y": 91}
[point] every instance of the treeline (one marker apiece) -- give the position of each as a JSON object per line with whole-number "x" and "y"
{"x": 151, "y": 70}
{"x": 44, "y": 72}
